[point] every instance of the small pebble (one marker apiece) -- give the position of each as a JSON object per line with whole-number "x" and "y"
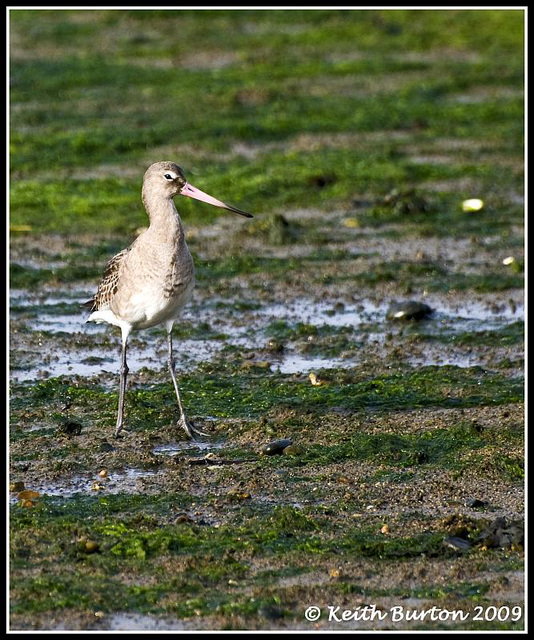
{"x": 271, "y": 612}
{"x": 28, "y": 494}
{"x": 255, "y": 364}
{"x": 70, "y": 428}
{"x": 457, "y": 543}
{"x": 275, "y": 346}
{"x": 237, "y": 494}
{"x": 411, "y": 310}
{"x": 276, "y": 447}
{"x": 473, "y": 204}
{"x": 183, "y": 517}
{"x": 103, "y": 473}
{"x": 475, "y": 503}
{"x": 293, "y": 450}
{"x": 314, "y": 379}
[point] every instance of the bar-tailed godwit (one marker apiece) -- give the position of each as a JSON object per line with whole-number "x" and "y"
{"x": 149, "y": 283}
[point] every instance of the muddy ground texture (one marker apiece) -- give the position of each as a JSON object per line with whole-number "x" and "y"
{"x": 403, "y": 485}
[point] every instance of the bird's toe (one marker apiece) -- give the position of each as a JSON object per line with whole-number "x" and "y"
{"x": 190, "y": 429}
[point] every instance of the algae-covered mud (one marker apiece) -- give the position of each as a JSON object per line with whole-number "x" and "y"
{"x": 355, "y": 352}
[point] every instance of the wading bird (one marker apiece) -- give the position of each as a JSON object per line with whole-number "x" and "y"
{"x": 149, "y": 283}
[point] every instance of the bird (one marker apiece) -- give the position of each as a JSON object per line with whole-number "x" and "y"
{"x": 148, "y": 283}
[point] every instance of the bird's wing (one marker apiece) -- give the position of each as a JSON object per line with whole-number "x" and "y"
{"x": 108, "y": 285}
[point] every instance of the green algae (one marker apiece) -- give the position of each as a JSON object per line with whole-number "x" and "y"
{"x": 144, "y": 543}
{"x": 228, "y": 394}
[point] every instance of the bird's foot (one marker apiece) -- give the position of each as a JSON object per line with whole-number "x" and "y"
{"x": 190, "y": 429}
{"x": 121, "y": 432}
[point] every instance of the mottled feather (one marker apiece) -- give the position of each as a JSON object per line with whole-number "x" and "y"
{"x": 108, "y": 285}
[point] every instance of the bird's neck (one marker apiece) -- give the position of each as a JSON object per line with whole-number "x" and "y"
{"x": 164, "y": 218}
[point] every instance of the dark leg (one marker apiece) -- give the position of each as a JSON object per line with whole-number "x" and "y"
{"x": 191, "y": 431}
{"x": 122, "y": 390}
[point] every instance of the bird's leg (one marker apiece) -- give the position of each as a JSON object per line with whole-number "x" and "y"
{"x": 122, "y": 390}
{"x": 191, "y": 431}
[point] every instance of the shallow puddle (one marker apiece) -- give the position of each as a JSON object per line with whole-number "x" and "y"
{"x": 86, "y": 355}
{"x": 127, "y": 481}
{"x": 177, "y": 447}
{"x": 296, "y": 363}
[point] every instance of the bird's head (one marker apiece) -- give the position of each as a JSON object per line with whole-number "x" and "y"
{"x": 167, "y": 179}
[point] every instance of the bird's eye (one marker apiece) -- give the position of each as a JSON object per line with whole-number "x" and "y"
{"x": 168, "y": 176}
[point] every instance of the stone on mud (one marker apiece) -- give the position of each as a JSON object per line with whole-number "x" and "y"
{"x": 411, "y": 310}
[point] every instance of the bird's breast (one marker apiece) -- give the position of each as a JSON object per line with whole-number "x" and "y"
{"x": 159, "y": 286}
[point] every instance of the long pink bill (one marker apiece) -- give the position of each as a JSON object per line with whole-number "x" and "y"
{"x": 192, "y": 192}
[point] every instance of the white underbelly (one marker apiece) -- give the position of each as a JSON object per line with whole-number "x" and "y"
{"x": 145, "y": 308}
{"x": 150, "y": 308}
